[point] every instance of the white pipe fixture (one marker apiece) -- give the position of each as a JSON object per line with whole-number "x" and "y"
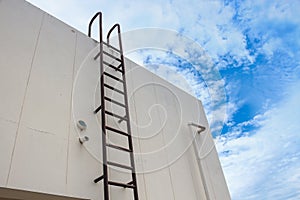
{"x": 81, "y": 125}
{"x": 83, "y": 139}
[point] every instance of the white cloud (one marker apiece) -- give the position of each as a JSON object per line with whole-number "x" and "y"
{"x": 208, "y": 22}
{"x": 273, "y": 24}
{"x": 265, "y": 164}
{"x": 219, "y": 27}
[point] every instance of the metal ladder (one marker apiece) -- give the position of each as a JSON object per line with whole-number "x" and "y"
{"x": 120, "y": 68}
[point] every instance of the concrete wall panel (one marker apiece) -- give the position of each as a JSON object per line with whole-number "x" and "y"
{"x": 20, "y": 26}
{"x": 8, "y": 132}
{"x": 47, "y": 102}
{"x": 39, "y": 163}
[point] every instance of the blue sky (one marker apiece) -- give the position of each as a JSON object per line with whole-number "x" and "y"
{"x": 255, "y": 45}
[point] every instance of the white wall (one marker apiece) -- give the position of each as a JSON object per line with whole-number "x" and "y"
{"x": 49, "y": 80}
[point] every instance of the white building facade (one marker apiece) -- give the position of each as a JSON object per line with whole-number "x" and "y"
{"x": 49, "y": 81}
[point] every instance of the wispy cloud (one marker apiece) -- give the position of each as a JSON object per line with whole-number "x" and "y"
{"x": 269, "y": 26}
{"x": 223, "y": 28}
{"x": 208, "y": 22}
{"x": 268, "y": 159}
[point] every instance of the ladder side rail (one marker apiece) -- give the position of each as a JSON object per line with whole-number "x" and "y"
{"x": 103, "y": 118}
{"x": 119, "y": 32}
{"x": 103, "y": 124}
{"x": 92, "y": 21}
{"x": 128, "y": 115}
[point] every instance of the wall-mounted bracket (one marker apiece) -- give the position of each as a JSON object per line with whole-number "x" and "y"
{"x": 200, "y": 128}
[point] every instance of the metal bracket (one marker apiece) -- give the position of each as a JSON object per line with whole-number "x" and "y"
{"x": 201, "y": 128}
{"x": 98, "y": 179}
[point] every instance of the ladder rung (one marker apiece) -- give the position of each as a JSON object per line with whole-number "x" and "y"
{"x": 115, "y": 102}
{"x": 108, "y": 54}
{"x": 112, "y": 56}
{"x": 113, "y": 77}
{"x": 121, "y": 184}
{"x": 111, "y": 66}
{"x": 118, "y": 148}
{"x": 119, "y": 165}
{"x": 112, "y": 88}
{"x": 114, "y": 48}
{"x": 115, "y": 115}
{"x": 117, "y": 131}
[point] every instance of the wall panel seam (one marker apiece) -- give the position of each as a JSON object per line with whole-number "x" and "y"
{"x": 24, "y": 97}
